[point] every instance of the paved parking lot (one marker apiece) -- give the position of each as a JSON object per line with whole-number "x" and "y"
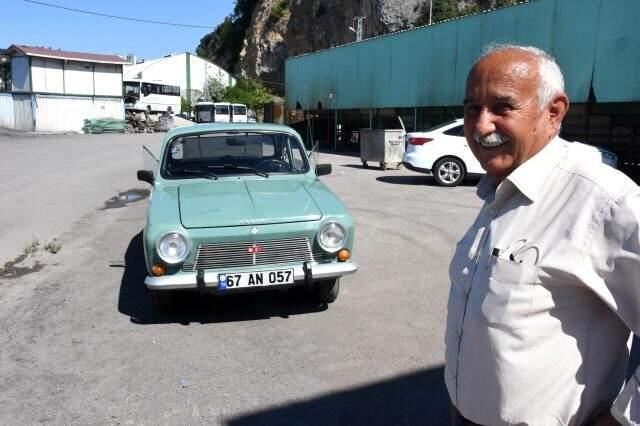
{"x": 80, "y": 343}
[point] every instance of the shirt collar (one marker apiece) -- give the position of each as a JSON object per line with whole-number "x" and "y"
{"x": 529, "y": 177}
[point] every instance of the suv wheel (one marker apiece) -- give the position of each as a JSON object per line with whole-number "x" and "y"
{"x": 326, "y": 291}
{"x": 449, "y": 172}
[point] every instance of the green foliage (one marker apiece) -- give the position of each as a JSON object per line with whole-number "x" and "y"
{"x": 504, "y": 3}
{"x": 214, "y": 90}
{"x": 224, "y": 44}
{"x": 185, "y": 105}
{"x": 249, "y": 92}
{"x": 278, "y": 10}
{"x": 448, "y": 9}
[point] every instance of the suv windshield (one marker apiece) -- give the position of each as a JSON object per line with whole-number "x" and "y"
{"x": 232, "y": 154}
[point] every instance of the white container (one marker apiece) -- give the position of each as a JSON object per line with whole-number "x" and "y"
{"x": 384, "y": 146}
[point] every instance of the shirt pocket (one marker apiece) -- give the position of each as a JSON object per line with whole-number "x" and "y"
{"x": 504, "y": 294}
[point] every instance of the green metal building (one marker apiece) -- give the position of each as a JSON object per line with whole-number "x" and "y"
{"x": 420, "y": 74}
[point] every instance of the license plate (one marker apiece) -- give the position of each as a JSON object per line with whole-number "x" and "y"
{"x": 255, "y": 279}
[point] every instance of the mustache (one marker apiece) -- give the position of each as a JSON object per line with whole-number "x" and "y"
{"x": 491, "y": 138}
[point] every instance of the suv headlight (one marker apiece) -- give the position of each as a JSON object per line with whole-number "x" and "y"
{"x": 332, "y": 237}
{"x": 173, "y": 248}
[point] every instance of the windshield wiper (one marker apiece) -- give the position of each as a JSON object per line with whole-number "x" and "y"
{"x": 200, "y": 173}
{"x": 234, "y": 167}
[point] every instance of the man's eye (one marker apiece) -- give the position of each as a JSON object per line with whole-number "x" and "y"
{"x": 502, "y": 108}
{"x": 471, "y": 109}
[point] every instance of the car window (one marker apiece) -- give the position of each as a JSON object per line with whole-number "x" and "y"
{"x": 238, "y": 153}
{"x": 455, "y": 131}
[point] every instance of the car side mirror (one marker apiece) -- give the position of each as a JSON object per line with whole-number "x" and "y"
{"x": 145, "y": 176}
{"x": 323, "y": 169}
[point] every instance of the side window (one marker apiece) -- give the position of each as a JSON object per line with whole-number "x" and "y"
{"x": 455, "y": 131}
{"x": 296, "y": 156}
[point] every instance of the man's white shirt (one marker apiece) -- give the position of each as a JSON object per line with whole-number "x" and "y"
{"x": 545, "y": 289}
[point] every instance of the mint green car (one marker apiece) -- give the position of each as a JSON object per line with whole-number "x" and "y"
{"x": 239, "y": 207}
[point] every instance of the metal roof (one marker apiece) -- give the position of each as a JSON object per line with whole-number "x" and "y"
{"x": 43, "y": 52}
{"x": 595, "y": 42}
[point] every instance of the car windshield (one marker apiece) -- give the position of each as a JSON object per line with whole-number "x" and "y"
{"x": 232, "y": 154}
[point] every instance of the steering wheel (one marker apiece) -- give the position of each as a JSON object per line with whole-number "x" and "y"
{"x": 279, "y": 163}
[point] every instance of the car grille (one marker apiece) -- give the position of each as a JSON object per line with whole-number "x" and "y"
{"x": 238, "y": 254}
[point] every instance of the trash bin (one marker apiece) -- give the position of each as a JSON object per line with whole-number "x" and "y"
{"x": 385, "y": 146}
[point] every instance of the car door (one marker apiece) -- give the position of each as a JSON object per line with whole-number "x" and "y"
{"x": 459, "y": 146}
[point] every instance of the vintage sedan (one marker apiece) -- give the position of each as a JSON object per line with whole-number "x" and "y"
{"x": 239, "y": 207}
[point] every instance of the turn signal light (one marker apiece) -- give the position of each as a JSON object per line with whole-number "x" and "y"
{"x": 159, "y": 269}
{"x": 344, "y": 255}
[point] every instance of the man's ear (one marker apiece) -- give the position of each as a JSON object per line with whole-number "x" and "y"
{"x": 557, "y": 110}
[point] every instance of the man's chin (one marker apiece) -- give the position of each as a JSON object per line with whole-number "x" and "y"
{"x": 498, "y": 169}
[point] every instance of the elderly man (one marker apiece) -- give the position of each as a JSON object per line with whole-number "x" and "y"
{"x": 545, "y": 285}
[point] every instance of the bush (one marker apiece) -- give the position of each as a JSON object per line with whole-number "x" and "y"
{"x": 249, "y": 92}
{"x": 278, "y": 10}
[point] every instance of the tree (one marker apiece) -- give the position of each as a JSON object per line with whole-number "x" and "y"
{"x": 249, "y": 92}
{"x": 214, "y": 91}
{"x": 441, "y": 10}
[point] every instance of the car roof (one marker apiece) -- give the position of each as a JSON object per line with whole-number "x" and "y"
{"x": 226, "y": 127}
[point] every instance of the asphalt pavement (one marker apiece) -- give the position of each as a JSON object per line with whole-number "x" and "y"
{"x": 80, "y": 343}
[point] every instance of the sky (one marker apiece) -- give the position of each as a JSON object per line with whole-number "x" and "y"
{"x": 37, "y": 25}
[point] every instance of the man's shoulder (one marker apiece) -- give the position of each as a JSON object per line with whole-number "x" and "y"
{"x": 584, "y": 166}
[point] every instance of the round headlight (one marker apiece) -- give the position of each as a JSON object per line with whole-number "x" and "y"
{"x": 332, "y": 237}
{"x": 173, "y": 248}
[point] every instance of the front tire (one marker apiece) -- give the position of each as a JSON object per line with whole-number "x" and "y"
{"x": 449, "y": 172}
{"x": 326, "y": 291}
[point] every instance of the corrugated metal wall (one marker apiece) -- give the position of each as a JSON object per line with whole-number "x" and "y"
{"x": 67, "y": 114}
{"x": 23, "y": 111}
{"x": 7, "y": 116}
{"x": 595, "y": 41}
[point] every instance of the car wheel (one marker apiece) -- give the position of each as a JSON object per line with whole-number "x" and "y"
{"x": 326, "y": 291}
{"x": 163, "y": 301}
{"x": 449, "y": 172}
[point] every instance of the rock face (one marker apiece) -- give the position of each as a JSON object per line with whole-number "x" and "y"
{"x": 304, "y": 26}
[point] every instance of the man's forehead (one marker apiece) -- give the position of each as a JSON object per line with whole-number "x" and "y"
{"x": 504, "y": 73}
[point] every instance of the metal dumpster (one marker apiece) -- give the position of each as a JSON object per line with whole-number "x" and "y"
{"x": 385, "y": 146}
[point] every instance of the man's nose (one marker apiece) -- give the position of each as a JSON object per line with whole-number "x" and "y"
{"x": 485, "y": 122}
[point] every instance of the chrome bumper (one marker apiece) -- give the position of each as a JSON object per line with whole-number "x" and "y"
{"x": 188, "y": 280}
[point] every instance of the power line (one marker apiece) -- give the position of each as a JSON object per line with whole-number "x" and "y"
{"x": 118, "y": 17}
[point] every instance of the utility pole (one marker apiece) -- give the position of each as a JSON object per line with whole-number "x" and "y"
{"x": 359, "y": 29}
{"x": 430, "y": 10}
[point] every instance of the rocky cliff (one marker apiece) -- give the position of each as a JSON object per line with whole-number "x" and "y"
{"x": 305, "y": 26}
{"x": 273, "y": 30}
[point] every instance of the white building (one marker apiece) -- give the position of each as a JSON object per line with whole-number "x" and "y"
{"x": 56, "y": 90}
{"x": 188, "y": 71}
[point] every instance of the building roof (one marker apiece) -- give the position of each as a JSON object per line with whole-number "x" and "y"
{"x": 43, "y": 52}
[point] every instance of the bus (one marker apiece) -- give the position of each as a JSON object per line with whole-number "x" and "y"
{"x": 219, "y": 112}
{"x": 151, "y": 96}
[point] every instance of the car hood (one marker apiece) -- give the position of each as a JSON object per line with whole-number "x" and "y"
{"x": 246, "y": 202}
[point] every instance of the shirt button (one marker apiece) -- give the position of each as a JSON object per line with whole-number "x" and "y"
{"x": 493, "y": 212}
{"x": 458, "y": 334}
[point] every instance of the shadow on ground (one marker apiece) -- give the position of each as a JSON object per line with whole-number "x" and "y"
{"x": 135, "y": 302}
{"x": 374, "y": 167}
{"x": 419, "y": 180}
{"x": 415, "y": 399}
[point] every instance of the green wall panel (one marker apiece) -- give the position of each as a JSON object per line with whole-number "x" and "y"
{"x": 595, "y": 47}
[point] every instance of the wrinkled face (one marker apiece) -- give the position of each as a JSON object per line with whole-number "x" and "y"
{"x": 503, "y": 122}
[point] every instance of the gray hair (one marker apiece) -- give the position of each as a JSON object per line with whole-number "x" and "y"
{"x": 551, "y": 80}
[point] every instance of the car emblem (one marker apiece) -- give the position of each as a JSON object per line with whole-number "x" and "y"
{"x": 254, "y": 231}
{"x": 255, "y": 249}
